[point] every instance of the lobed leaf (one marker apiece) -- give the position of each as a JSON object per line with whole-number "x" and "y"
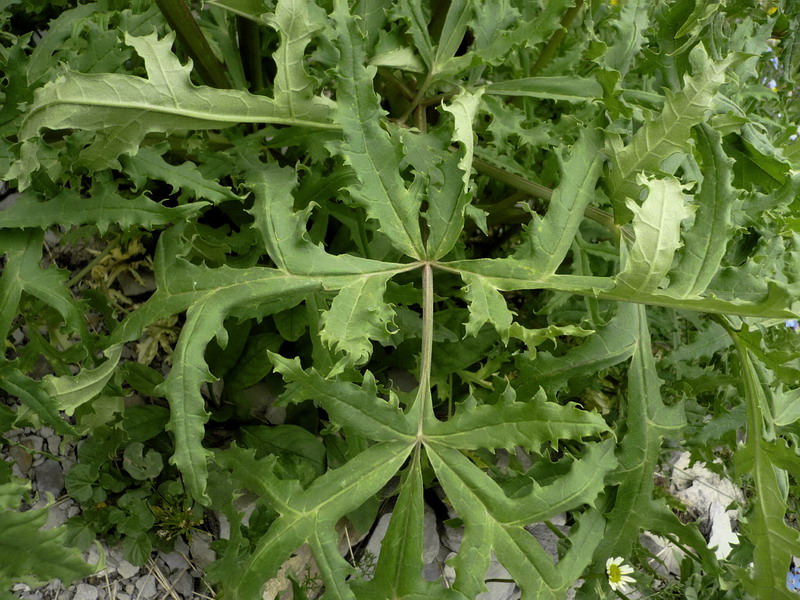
{"x": 357, "y": 408}
{"x": 23, "y": 272}
{"x": 368, "y": 148}
{"x": 505, "y": 425}
{"x": 123, "y": 109}
{"x": 29, "y": 553}
{"x": 660, "y": 138}
{"x": 148, "y": 163}
{"x": 706, "y": 241}
{"x": 104, "y": 207}
{"x": 308, "y": 516}
{"x": 495, "y": 522}
{"x": 569, "y": 89}
{"x": 657, "y": 226}
{"x": 763, "y": 458}
{"x": 549, "y": 238}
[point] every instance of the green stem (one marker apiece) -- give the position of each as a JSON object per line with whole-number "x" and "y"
{"x": 417, "y": 99}
{"x": 362, "y": 233}
{"x": 515, "y": 181}
{"x": 426, "y": 356}
{"x": 180, "y": 18}
{"x": 92, "y": 264}
{"x": 250, "y": 51}
{"x": 389, "y": 77}
{"x": 555, "y": 40}
{"x": 539, "y": 191}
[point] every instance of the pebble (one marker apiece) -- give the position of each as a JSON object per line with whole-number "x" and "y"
{"x": 175, "y": 561}
{"x": 57, "y": 516}
{"x": 183, "y": 583}
{"x": 85, "y": 592}
{"x": 34, "y": 441}
{"x": 126, "y": 570}
{"x": 146, "y": 586}
{"x": 22, "y": 460}
{"x": 200, "y": 546}
{"x": 49, "y": 477}
{"x": 53, "y": 443}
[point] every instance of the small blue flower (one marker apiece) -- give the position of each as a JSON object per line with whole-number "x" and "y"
{"x": 793, "y": 324}
{"x": 793, "y": 579}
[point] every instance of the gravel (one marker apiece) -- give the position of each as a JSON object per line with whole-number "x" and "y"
{"x": 173, "y": 575}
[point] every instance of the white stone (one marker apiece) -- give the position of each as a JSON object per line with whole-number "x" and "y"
{"x": 174, "y": 561}
{"x": 49, "y": 477}
{"x": 722, "y": 537}
{"x": 378, "y": 533}
{"x": 707, "y": 494}
{"x": 200, "y": 546}
{"x": 53, "y": 443}
{"x": 430, "y": 536}
{"x": 183, "y": 583}
{"x": 84, "y": 591}
{"x": 146, "y": 586}
{"x": 126, "y": 570}
{"x": 57, "y": 516}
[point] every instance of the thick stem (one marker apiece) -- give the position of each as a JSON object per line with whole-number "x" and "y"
{"x": 389, "y": 77}
{"x": 539, "y": 191}
{"x": 418, "y": 97}
{"x": 425, "y": 361}
{"x": 250, "y": 51}
{"x": 180, "y": 18}
{"x": 515, "y": 181}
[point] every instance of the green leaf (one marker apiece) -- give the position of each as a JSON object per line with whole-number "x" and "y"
{"x": 706, "y": 241}
{"x": 308, "y": 516}
{"x": 774, "y": 541}
{"x": 368, "y": 148}
{"x": 357, "y": 315}
{"x": 397, "y": 574}
{"x": 570, "y": 89}
{"x": 647, "y": 420}
{"x": 657, "y": 226}
{"x": 486, "y": 305}
{"x": 28, "y": 553}
{"x": 32, "y": 395}
{"x": 104, "y": 207}
{"x": 123, "y": 109}
{"x": 506, "y": 425}
{"x": 660, "y": 138}
{"x": 284, "y": 232}
{"x": 22, "y": 272}
{"x": 359, "y": 408}
{"x": 141, "y": 465}
{"x": 299, "y": 452}
{"x": 550, "y": 238}
{"x": 416, "y": 19}
{"x": 148, "y": 164}
{"x": 70, "y": 392}
{"x": 612, "y": 344}
{"x": 494, "y": 522}
{"x": 446, "y": 203}
{"x": 296, "y": 22}
{"x": 141, "y": 423}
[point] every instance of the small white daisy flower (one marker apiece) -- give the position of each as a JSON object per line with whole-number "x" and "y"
{"x": 618, "y": 572}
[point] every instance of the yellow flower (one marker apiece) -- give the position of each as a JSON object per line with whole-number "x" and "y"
{"x": 618, "y": 572}
{"x": 772, "y": 10}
